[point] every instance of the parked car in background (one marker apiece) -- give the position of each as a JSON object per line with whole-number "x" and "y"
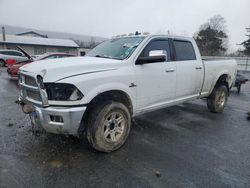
{"x": 13, "y": 68}
{"x": 52, "y": 55}
{"x": 11, "y": 54}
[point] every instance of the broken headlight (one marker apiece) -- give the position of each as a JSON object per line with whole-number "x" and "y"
{"x": 62, "y": 92}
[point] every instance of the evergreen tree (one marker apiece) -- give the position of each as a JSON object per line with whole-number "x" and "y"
{"x": 212, "y": 38}
{"x": 246, "y": 43}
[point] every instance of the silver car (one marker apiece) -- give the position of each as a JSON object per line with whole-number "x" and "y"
{"x": 11, "y": 54}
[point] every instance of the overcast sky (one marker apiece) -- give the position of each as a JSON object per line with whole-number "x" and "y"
{"x": 107, "y": 18}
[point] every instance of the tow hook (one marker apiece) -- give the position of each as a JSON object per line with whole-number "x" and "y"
{"x": 19, "y": 101}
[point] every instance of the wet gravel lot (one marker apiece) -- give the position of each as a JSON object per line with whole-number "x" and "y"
{"x": 181, "y": 146}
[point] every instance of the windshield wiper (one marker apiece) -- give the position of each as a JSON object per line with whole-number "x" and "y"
{"x": 103, "y": 56}
{"x": 108, "y": 57}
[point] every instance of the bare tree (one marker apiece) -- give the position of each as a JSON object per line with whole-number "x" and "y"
{"x": 92, "y": 43}
{"x": 218, "y": 23}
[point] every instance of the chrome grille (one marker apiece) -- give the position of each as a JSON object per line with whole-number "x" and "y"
{"x": 28, "y": 80}
{"x": 29, "y": 89}
{"x": 33, "y": 95}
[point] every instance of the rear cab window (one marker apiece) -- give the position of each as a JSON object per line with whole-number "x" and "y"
{"x": 184, "y": 50}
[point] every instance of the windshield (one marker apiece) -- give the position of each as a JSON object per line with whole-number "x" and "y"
{"x": 119, "y": 48}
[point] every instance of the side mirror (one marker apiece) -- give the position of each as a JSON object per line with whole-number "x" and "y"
{"x": 157, "y": 53}
{"x": 155, "y": 56}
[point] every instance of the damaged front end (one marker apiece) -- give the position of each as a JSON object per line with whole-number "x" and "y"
{"x": 34, "y": 100}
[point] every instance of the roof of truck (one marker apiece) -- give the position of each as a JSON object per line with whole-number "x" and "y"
{"x": 155, "y": 35}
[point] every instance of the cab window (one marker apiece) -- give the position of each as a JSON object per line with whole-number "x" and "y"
{"x": 184, "y": 50}
{"x": 156, "y": 45}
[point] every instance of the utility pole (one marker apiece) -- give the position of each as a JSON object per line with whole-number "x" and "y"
{"x": 4, "y": 37}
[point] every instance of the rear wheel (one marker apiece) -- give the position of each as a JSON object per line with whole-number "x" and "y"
{"x": 2, "y": 63}
{"x": 108, "y": 126}
{"x": 218, "y": 99}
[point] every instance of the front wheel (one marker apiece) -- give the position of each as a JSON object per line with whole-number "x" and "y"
{"x": 108, "y": 126}
{"x": 217, "y": 99}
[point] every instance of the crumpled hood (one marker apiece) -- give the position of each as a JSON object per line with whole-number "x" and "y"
{"x": 53, "y": 70}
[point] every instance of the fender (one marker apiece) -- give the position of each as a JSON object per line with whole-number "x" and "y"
{"x": 224, "y": 72}
{"x": 109, "y": 87}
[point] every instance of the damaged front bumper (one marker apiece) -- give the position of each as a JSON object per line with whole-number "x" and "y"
{"x": 59, "y": 120}
{"x": 34, "y": 101}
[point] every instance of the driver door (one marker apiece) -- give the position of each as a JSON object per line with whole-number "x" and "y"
{"x": 155, "y": 81}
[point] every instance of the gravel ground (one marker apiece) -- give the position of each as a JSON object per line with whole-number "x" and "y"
{"x": 180, "y": 146}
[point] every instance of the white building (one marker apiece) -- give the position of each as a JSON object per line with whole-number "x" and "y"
{"x": 35, "y": 44}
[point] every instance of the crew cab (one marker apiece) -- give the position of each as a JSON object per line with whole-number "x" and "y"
{"x": 97, "y": 95}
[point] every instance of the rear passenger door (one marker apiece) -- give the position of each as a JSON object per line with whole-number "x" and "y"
{"x": 189, "y": 70}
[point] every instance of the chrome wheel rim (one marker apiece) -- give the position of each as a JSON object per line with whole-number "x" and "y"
{"x": 221, "y": 99}
{"x": 114, "y": 126}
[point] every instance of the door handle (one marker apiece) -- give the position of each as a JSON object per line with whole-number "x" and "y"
{"x": 169, "y": 70}
{"x": 198, "y": 68}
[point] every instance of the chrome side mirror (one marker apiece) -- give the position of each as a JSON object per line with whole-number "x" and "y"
{"x": 159, "y": 53}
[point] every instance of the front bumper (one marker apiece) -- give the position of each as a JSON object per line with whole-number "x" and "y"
{"x": 59, "y": 120}
{"x": 34, "y": 101}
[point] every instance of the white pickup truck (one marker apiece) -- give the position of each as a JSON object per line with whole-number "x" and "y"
{"x": 122, "y": 77}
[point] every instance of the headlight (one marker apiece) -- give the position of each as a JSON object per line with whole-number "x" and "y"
{"x": 62, "y": 92}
